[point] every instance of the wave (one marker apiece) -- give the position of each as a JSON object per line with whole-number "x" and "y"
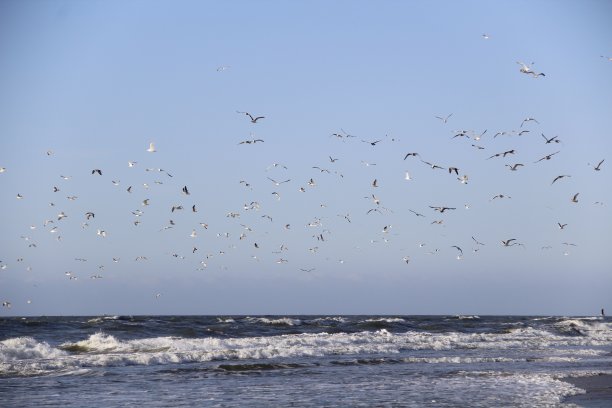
{"x": 467, "y": 317}
{"x": 385, "y": 320}
{"x": 284, "y": 321}
{"x": 27, "y": 356}
{"x": 587, "y": 327}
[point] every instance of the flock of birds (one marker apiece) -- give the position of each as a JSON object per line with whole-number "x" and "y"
{"x": 317, "y": 227}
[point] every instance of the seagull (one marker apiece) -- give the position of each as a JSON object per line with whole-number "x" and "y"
{"x": 2, "y": 169}
{"x": 151, "y": 148}
{"x": 410, "y": 154}
{"x": 416, "y": 213}
{"x": 278, "y": 183}
{"x": 333, "y": 160}
{"x": 444, "y": 119}
{"x": 597, "y": 168}
{"x": 509, "y": 242}
{"x": 547, "y": 157}
{"x": 529, "y": 120}
{"x": 499, "y": 196}
{"x": 253, "y": 119}
{"x": 463, "y": 179}
{"x": 373, "y": 143}
{"x": 101, "y": 233}
{"x": 375, "y": 183}
{"x": 525, "y": 69}
{"x": 251, "y": 141}
{"x": 132, "y": 163}
{"x": 433, "y": 166}
{"x": 477, "y": 242}
{"x": 485, "y": 36}
{"x": 406, "y": 259}
{"x": 514, "y": 167}
{"x": 503, "y": 154}
{"x": 94, "y": 171}
{"x": 442, "y": 209}
{"x": 575, "y": 198}
{"x": 61, "y": 216}
{"x": 561, "y": 226}
{"x": 559, "y": 177}
{"x": 455, "y": 169}
{"x": 185, "y": 190}
{"x": 554, "y": 139}
{"x": 407, "y": 176}
{"x": 460, "y": 256}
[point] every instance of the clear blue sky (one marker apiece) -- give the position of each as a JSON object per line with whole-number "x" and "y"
{"x": 95, "y": 82}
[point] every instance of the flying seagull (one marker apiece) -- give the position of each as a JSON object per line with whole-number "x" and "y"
{"x": 598, "y": 167}
{"x": 514, "y": 167}
{"x": 559, "y": 177}
{"x": 554, "y": 139}
{"x": 253, "y": 141}
{"x": 444, "y": 119}
{"x": 529, "y": 120}
{"x": 525, "y": 69}
{"x": 254, "y": 119}
{"x": 575, "y": 198}
{"x": 503, "y": 154}
{"x": 278, "y": 183}
{"x": 442, "y": 209}
{"x": 151, "y": 148}
{"x": 547, "y": 157}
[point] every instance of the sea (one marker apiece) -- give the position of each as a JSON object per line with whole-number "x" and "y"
{"x": 299, "y": 361}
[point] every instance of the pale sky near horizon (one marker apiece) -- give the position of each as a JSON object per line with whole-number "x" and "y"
{"x": 88, "y": 85}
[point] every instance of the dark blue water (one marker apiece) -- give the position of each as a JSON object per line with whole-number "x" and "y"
{"x": 313, "y": 361}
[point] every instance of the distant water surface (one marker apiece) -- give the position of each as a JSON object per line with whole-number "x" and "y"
{"x": 313, "y": 361}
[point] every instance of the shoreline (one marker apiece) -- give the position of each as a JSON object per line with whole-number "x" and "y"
{"x": 598, "y": 391}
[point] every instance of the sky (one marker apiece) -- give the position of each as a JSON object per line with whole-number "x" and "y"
{"x": 346, "y": 90}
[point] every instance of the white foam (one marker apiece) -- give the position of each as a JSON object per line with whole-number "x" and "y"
{"x": 25, "y": 355}
{"x": 386, "y": 320}
{"x": 22, "y": 348}
{"x": 590, "y": 327}
{"x": 282, "y": 321}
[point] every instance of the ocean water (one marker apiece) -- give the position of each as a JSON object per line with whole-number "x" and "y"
{"x": 306, "y": 361}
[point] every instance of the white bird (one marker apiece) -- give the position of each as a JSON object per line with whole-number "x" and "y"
{"x": 132, "y": 163}
{"x": 444, "y": 119}
{"x": 151, "y": 148}
{"x": 101, "y": 233}
{"x": 525, "y": 69}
